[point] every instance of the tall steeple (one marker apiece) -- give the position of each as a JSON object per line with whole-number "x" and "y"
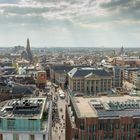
{"x": 121, "y": 52}
{"x": 28, "y": 50}
{"x": 28, "y": 44}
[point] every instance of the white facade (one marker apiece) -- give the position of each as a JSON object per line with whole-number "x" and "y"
{"x": 23, "y": 136}
{"x": 7, "y": 136}
{"x": 38, "y": 137}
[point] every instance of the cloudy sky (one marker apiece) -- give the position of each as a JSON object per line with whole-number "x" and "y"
{"x": 79, "y": 23}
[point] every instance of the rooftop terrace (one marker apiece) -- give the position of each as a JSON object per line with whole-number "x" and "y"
{"x": 106, "y": 106}
{"x": 26, "y": 108}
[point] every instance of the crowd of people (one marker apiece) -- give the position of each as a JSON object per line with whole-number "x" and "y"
{"x": 58, "y": 119}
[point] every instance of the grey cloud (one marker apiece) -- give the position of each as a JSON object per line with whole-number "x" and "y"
{"x": 7, "y": 1}
{"x": 33, "y": 22}
{"x": 116, "y": 3}
{"x": 21, "y": 20}
{"x": 25, "y": 10}
{"x": 65, "y": 9}
{"x": 123, "y": 9}
{"x": 85, "y": 11}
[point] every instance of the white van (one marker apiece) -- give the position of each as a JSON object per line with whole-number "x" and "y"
{"x": 61, "y": 94}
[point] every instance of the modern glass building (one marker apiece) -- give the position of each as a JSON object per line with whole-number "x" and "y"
{"x": 25, "y": 119}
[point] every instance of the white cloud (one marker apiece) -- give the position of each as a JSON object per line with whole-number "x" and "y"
{"x": 57, "y": 9}
{"x": 78, "y": 18}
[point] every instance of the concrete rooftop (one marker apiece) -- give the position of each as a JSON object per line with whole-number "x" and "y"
{"x": 85, "y": 106}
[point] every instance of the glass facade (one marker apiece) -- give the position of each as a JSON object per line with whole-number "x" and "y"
{"x": 20, "y": 124}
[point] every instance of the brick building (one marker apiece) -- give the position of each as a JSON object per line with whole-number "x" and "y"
{"x": 131, "y": 61}
{"x": 103, "y": 118}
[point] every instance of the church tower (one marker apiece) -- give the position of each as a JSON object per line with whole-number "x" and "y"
{"x": 28, "y": 50}
{"x": 122, "y": 51}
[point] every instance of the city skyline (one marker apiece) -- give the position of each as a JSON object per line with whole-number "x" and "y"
{"x": 70, "y": 23}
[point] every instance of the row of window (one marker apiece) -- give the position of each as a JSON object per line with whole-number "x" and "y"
{"x": 106, "y": 137}
{"x": 92, "y": 81}
{"x": 109, "y": 127}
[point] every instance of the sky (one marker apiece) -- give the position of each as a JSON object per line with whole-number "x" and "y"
{"x": 70, "y": 23}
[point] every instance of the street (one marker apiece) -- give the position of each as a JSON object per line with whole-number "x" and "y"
{"x": 58, "y": 113}
{"x": 58, "y": 130}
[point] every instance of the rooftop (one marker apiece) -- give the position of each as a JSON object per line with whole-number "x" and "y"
{"x": 82, "y": 72}
{"x": 132, "y": 69}
{"x": 107, "y": 106}
{"x": 31, "y": 108}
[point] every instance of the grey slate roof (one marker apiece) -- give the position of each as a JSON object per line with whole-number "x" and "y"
{"x": 64, "y": 68}
{"x": 79, "y": 72}
{"x": 17, "y": 89}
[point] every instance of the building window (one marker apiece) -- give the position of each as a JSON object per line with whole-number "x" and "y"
{"x": 97, "y": 82}
{"x": 76, "y": 136}
{"x": 83, "y": 137}
{"x": 128, "y": 127}
{"x": 93, "y": 137}
{"x": 100, "y": 126}
{"x": 96, "y": 88}
{"x": 15, "y": 137}
{"x": 94, "y": 127}
{"x": 128, "y": 137}
{"x": 111, "y": 136}
{"x": 117, "y": 126}
{"x": 117, "y": 136}
{"x": 105, "y": 135}
{"x": 134, "y": 137}
{"x": 123, "y": 127}
{"x": 32, "y": 137}
{"x": 11, "y": 124}
{"x": 111, "y": 127}
{"x": 74, "y": 86}
{"x": 100, "y": 138}
{"x": 89, "y": 137}
{"x": 78, "y": 87}
{"x": 92, "y": 89}
{"x": 138, "y": 127}
{"x": 1, "y": 137}
{"x": 0, "y": 123}
{"x": 87, "y": 89}
{"x": 44, "y": 136}
{"x": 123, "y": 138}
{"x": 82, "y": 126}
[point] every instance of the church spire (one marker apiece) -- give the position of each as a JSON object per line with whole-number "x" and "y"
{"x": 28, "y": 50}
{"x": 28, "y": 45}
